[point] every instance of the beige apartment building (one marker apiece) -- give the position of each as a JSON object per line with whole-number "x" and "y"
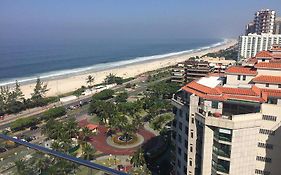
{"x": 231, "y": 125}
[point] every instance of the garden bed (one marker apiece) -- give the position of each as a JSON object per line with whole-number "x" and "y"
{"x": 116, "y": 140}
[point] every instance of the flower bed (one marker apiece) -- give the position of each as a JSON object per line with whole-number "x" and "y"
{"x": 116, "y": 140}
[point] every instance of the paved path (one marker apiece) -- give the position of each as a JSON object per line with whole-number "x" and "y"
{"x": 99, "y": 141}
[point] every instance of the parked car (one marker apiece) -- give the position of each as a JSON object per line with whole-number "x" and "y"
{"x": 33, "y": 128}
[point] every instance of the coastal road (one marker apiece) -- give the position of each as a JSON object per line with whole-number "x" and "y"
{"x": 35, "y": 111}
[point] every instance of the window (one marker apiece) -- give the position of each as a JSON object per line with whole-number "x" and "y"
{"x": 244, "y": 77}
{"x": 180, "y": 125}
{"x": 179, "y": 138}
{"x": 179, "y": 150}
{"x": 238, "y": 77}
{"x": 179, "y": 163}
{"x": 191, "y": 134}
{"x": 181, "y": 113}
{"x": 190, "y": 162}
{"x": 279, "y": 85}
{"x": 267, "y": 132}
{"x": 191, "y": 148}
{"x": 263, "y": 60}
{"x": 266, "y": 85}
{"x": 215, "y": 104}
{"x": 262, "y": 172}
{"x": 265, "y": 145}
{"x": 192, "y": 120}
{"x": 269, "y": 117}
{"x": 263, "y": 159}
{"x": 186, "y": 130}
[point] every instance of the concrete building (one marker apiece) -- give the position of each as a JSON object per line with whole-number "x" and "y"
{"x": 190, "y": 70}
{"x": 251, "y": 44}
{"x": 250, "y": 28}
{"x": 231, "y": 125}
{"x": 277, "y": 26}
{"x": 193, "y": 69}
{"x": 264, "y": 21}
{"x": 218, "y": 65}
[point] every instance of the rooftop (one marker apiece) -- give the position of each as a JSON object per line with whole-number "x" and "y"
{"x": 267, "y": 79}
{"x": 268, "y": 65}
{"x": 220, "y": 93}
{"x": 241, "y": 70}
{"x": 264, "y": 54}
{"x": 211, "y": 81}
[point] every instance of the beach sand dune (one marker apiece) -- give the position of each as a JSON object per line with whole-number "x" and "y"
{"x": 68, "y": 84}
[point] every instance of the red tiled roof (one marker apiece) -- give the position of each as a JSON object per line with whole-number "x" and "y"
{"x": 245, "y": 98}
{"x": 92, "y": 126}
{"x": 267, "y": 79}
{"x": 241, "y": 70}
{"x": 224, "y": 93}
{"x": 203, "y": 89}
{"x": 237, "y": 91}
{"x": 271, "y": 65}
{"x": 276, "y": 49}
{"x": 272, "y": 92}
{"x": 263, "y": 54}
{"x": 252, "y": 60}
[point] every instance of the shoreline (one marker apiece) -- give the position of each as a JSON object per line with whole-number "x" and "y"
{"x": 62, "y": 84}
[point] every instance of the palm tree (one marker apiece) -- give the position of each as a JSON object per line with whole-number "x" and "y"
{"x": 90, "y": 79}
{"x": 72, "y": 127}
{"x": 88, "y": 152}
{"x": 138, "y": 159}
{"x": 21, "y": 167}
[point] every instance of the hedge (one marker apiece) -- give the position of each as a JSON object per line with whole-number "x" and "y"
{"x": 54, "y": 113}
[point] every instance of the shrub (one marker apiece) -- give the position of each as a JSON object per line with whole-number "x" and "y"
{"x": 23, "y": 123}
{"x": 122, "y": 97}
{"x": 54, "y": 113}
{"x": 103, "y": 95}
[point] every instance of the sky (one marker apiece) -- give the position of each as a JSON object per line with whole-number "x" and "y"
{"x": 93, "y": 19}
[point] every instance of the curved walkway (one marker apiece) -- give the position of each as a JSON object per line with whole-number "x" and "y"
{"x": 100, "y": 144}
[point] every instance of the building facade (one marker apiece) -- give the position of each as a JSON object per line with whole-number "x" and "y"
{"x": 251, "y": 44}
{"x": 264, "y": 21}
{"x": 189, "y": 70}
{"x": 277, "y": 26}
{"x": 231, "y": 125}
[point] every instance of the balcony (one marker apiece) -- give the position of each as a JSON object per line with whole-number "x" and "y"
{"x": 222, "y": 166}
{"x": 207, "y": 113}
{"x": 178, "y": 101}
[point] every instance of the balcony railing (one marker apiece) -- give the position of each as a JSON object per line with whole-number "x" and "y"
{"x": 207, "y": 113}
{"x": 179, "y": 99}
{"x": 222, "y": 153}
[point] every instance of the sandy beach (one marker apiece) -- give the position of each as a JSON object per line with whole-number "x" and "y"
{"x": 67, "y": 84}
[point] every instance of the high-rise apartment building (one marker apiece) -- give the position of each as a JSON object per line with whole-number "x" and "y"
{"x": 277, "y": 26}
{"x": 251, "y": 44}
{"x": 260, "y": 34}
{"x": 264, "y": 21}
{"x": 232, "y": 124}
{"x": 250, "y": 28}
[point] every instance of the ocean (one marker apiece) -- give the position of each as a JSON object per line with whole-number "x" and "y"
{"x": 25, "y": 61}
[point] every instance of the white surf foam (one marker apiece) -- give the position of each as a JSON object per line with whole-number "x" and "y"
{"x": 103, "y": 66}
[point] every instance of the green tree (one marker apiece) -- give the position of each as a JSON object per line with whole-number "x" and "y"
{"x": 121, "y": 97}
{"x": 18, "y": 93}
{"x": 138, "y": 159}
{"x": 39, "y": 92}
{"x": 111, "y": 79}
{"x": 22, "y": 168}
{"x": 90, "y": 80}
